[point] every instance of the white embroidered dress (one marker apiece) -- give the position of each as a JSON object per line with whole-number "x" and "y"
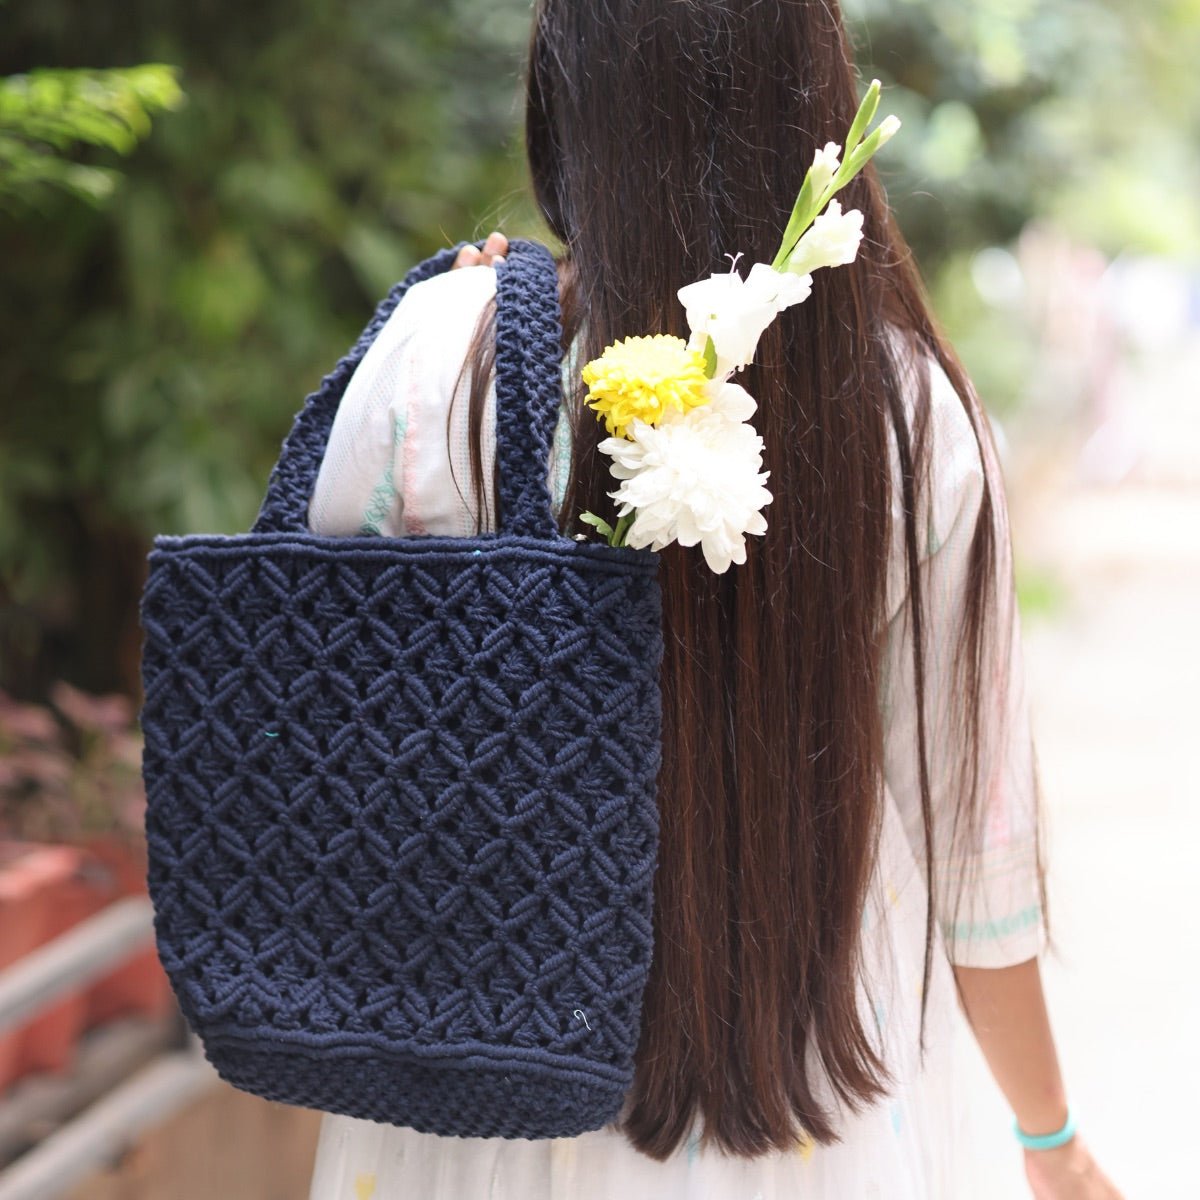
{"x": 387, "y": 470}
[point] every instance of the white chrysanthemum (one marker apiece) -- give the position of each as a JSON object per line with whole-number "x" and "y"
{"x": 694, "y": 478}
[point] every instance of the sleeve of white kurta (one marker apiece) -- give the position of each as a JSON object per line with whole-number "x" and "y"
{"x": 986, "y": 894}
{"x": 397, "y": 462}
{"x": 398, "y": 459}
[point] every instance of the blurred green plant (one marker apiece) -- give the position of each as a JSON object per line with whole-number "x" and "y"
{"x": 1083, "y": 113}
{"x": 157, "y": 345}
{"x": 46, "y": 114}
{"x": 1042, "y": 594}
{"x": 1087, "y": 111}
{"x": 161, "y": 344}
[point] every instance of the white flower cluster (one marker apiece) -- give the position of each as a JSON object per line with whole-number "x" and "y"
{"x": 696, "y": 476}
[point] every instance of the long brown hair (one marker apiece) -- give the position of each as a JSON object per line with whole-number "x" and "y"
{"x": 660, "y": 136}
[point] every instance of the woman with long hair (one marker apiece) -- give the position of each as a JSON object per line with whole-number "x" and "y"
{"x": 848, "y": 795}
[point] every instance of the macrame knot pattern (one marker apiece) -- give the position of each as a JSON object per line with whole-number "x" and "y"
{"x": 401, "y": 792}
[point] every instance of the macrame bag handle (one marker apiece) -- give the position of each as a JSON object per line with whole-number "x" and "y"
{"x": 528, "y": 386}
{"x": 528, "y": 392}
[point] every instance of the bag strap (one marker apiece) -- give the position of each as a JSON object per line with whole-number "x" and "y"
{"x": 528, "y": 390}
{"x": 528, "y": 386}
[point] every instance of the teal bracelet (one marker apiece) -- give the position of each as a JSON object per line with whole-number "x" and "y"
{"x": 1047, "y": 1141}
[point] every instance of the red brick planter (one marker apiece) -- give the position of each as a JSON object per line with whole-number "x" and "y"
{"x": 139, "y": 985}
{"x": 39, "y": 897}
{"x": 44, "y": 891}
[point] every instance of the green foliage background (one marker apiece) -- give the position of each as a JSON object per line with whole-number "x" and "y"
{"x": 159, "y": 334}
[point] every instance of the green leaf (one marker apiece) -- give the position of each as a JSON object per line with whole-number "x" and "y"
{"x": 710, "y": 357}
{"x": 600, "y": 523}
{"x": 46, "y": 115}
{"x": 377, "y": 256}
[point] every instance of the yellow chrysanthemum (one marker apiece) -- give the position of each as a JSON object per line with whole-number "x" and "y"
{"x": 641, "y": 377}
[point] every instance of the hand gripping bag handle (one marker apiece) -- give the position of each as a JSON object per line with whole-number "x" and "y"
{"x": 528, "y": 395}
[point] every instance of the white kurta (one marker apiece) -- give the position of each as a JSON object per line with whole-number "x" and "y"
{"x": 389, "y": 470}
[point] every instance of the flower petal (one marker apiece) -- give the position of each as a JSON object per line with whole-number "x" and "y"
{"x": 831, "y": 241}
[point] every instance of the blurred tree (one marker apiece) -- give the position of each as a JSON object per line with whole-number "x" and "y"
{"x": 1086, "y": 110}
{"x": 157, "y": 347}
{"x": 46, "y": 114}
{"x": 1082, "y": 112}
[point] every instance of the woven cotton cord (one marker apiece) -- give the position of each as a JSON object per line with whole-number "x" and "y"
{"x": 401, "y": 792}
{"x": 528, "y": 383}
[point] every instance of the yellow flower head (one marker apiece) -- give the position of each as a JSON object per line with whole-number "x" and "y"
{"x": 641, "y": 377}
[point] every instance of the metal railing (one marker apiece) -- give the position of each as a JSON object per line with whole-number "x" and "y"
{"x": 111, "y": 1124}
{"x": 85, "y": 952}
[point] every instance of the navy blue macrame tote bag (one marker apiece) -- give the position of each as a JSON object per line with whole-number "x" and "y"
{"x": 401, "y": 811}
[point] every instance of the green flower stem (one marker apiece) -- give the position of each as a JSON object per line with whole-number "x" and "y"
{"x": 803, "y": 212}
{"x": 855, "y": 156}
{"x": 623, "y": 524}
{"x": 862, "y": 118}
{"x": 859, "y": 159}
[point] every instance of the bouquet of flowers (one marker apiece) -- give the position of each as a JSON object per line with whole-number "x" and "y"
{"x": 687, "y": 458}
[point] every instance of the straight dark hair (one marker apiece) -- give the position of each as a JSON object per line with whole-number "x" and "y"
{"x": 659, "y": 137}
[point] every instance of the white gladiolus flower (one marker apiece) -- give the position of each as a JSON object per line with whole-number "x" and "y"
{"x": 780, "y": 288}
{"x": 694, "y": 475}
{"x": 887, "y": 129}
{"x": 825, "y": 166}
{"x": 734, "y": 311}
{"x": 694, "y": 478}
{"x": 830, "y": 241}
{"x": 734, "y": 316}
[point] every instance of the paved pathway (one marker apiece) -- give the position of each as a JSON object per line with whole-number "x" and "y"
{"x": 1115, "y": 678}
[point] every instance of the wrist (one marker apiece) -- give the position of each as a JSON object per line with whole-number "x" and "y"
{"x": 1046, "y": 1135}
{"x": 1040, "y": 1119}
